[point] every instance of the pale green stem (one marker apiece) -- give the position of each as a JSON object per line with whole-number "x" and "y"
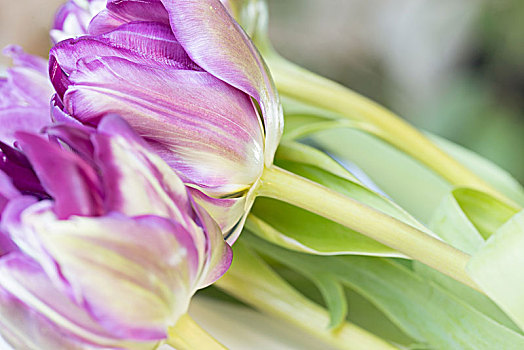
{"x": 291, "y": 188}
{"x": 188, "y": 335}
{"x": 302, "y": 85}
{"x": 251, "y": 281}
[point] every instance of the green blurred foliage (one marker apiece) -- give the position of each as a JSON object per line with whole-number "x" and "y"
{"x": 478, "y": 103}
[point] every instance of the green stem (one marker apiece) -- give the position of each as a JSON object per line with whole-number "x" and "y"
{"x": 188, "y": 335}
{"x": 302, "y": 85}
{"x": 253, "y": 282}
{"x": 291, "y": 188}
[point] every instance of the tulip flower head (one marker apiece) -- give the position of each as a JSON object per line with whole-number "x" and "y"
{"x": 188, "y": 79}
{"x": 108, "y": 255}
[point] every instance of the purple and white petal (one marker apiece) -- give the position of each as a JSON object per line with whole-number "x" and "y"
{"x": 72, "y": 183}
{"x": 36, "y": 315}
{"x": 133, "y": 290}
{"x": 209, "y": 127}
{"x": 120, "y": 12}
{"x": 217, "y": 43}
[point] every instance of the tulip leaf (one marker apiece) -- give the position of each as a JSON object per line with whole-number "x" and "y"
{"x": 332, "y": 293}
{"x": 484, "y": 168}
{"x": 297, "y": 229}
{"x": 451, "y": 224}
{"x": 484, "y": 211}
{"x": 298, "y": 152}
{"x": 351, "y": 189}
{"x": 425, "y": 311}
{"x": 406, "y": 181}
{"x": 497, "y": 268}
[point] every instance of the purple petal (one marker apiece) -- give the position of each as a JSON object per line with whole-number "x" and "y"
{"x": 219, "y": 254}
{"x": 210, "y": 128}
{"x": 78, "y": 137}
{"x": 65, "y": 176}
{"x": 15, "y": 164}
{"x": 7, "y": 191}
{"x": 17, "y": 214}
{"x": 27, "y": 82}
{"x": 137, "y": 181}
{"x": 214, "y": 41}
{"x": 29, "y": 119}
{"x": 72, "y": 18}
{"x": 134, "y": 276}
{"x": 146, "y": 43}
{"x": 119, "y": 12}
{"x": 7, "y": 246}
{"x": 37, "y": 315}
{"x": 22, "y": 59}
{"x": 225, "y": 211}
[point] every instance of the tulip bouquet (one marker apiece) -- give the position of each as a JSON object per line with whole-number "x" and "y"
{"x": 148, "y": 158}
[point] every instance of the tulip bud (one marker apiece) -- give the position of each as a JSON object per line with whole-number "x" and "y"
{"x": 24, "y": 95}
{"x": 190, "y": 81}
{"x": 110, "y": 258}
{"x": 72, "y": 18}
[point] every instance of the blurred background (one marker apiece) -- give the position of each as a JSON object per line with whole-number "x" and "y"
{"x": 454, "y": 68}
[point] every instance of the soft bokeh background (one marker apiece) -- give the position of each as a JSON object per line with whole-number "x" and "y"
{"x": 455, "y": 68}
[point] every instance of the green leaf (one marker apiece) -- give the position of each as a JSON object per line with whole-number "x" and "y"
{"x": 484, "y": 168}
{"x": 484, "y": 211}
{"x": 497, "y": 268}
{"x": 300, "y": 153}
{"x": 421, "y": 308}
{"x": 297, "y": 229}
{"x": 333, "y": 295}
{"x": 451, "y": 224}
{"x": 351, "y": 189}
{"x": 407, "y": 182}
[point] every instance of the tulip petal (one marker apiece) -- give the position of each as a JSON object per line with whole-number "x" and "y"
{"x": 214, "y": 41}
{"x": 210, "y": 128}
{"x": 72, "y": 18}
{"x": 72, "y": 183}
{"x": 133, "y": 275}
{"x": 15, "y": 164}
{"x": 119, "y": 12}
{"x": 36, "y": 315}
{"x": 22, "y": 59}
{"x": 138, "y": 182}
{"x": 27, "y": 82}
{"x": 7, "y": 191}
{"x": 225, "y": 211}
{"x": 146, "y": 43}
{"x": 219, "y": 254}
{"x": 30, "y": 119}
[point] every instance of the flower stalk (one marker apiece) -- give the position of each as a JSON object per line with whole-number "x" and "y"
{"x": 188, "y": 335}
{"x": 300, "y": 84}
{"x": 293, "y": 189}
{"x": 253, "y": 282}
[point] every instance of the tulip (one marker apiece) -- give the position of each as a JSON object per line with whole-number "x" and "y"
{"x": 24, "y": 95}
{"x": 73, "y": 17}
{"x": 186, "y": 78}
{"x": 110, "y": 255}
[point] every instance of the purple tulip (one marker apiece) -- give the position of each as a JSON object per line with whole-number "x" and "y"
{"x": 110, "y": 254}
{"x": 188, "y": 79}
{"x": 24, "y": 95}
{"x": 73, "y": 17}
